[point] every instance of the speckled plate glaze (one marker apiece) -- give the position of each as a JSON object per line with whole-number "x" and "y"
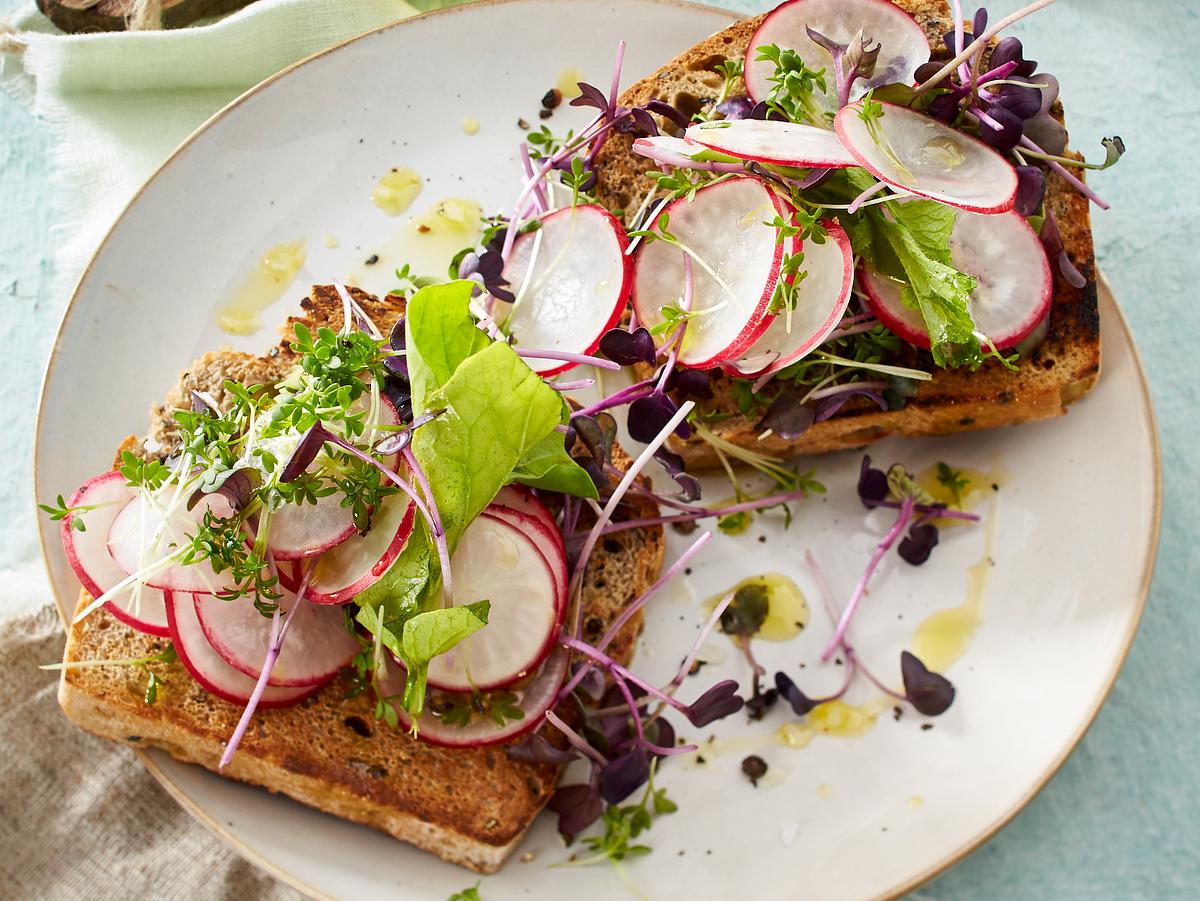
{"x": 859, "y": 817}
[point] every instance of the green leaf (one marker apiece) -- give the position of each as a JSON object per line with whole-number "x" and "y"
{"x": 429, "y": 634}
{"x": 440, "y": 334}
{"x": 548, "y": 466}
{"x": 467, "y": 894}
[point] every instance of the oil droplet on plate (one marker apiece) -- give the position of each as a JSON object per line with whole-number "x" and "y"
{"x": 966, "y": 497}
{"x": 915, "y": 801}
{"x": 470, "y": 125}
{"x": 836, "y": 719}
{"x": 331, "y": 242}
{"x": 568, "y": 82}
{"x": 397, "y": 190}
{"x": 787, "y": 609}
{"x": 241, "y": 313}
{"x": 824, "y": 790}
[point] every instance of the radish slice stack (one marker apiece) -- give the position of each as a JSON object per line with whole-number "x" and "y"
{"x": 777, "y": 143}
{"x": 142, "y": 607}
{"x": 722, "y": 227}
{"x": 902, "y": 42}
{"x": 317, "y": 644}
{"x": 919, "y": 154}
{"x": 571, "y": 281}
{"x": 354, "y": 566}
{"x": 1014, "y": 289}
{"x": 821, "y": 301}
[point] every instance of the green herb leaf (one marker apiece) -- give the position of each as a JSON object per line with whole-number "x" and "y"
{"x": 953, "y": 480}
{"x": 548, "y": 466}
{"x": 467, "y": 894}
{"x": 429, "y": 634}
{"x": 440, "y": 334}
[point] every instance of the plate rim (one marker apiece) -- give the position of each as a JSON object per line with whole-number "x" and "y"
{"x": 965, "y": 849}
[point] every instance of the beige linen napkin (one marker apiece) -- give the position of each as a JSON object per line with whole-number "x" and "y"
{"x": 81, "y": 818}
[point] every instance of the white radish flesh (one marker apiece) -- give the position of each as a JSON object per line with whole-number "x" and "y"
{"x": 357, "y": 564}
{"x": 210, "y": 669}
{"x": 670, "y": 151}
{"x": 919, "y": 154}
{"x": 546, "y": 539}
{"x": 316, "y": 647}
{"x": 723, "y": 228}
{"x": 778, "y": 143}
{"x": 496, "y": 561}
{"x": 87, "y": 552}
{"x": 903, "y": 46}
{"x": 532, "y": 699}
{"x": 150, "y": 528}
{"x": 1014, "y": 283}
{"x": 571, "y": 281}
{"x": 821, "y": 302}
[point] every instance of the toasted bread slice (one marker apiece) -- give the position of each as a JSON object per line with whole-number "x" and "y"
{"x": 1059, "y": 372}
{"x": 468, "y": 806}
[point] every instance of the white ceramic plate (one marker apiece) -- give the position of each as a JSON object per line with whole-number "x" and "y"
{"x": 850, "y": 818}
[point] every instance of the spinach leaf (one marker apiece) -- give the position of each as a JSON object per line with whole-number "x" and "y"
{"x": 429, "y": 634}
{"x": 548, "y": 466}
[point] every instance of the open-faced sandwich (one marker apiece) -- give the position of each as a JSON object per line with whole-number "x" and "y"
{"x": 393, "y": 557}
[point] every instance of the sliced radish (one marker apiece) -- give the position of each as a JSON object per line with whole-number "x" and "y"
{"x": 571, "y": 281}
{"x": 143, "y": 533}
{"x": 723, "y": 227}
{"x": 317, "y": 643}
{"x": 902, "y": 42}
{"x": 670, "y": 151}
{"x": 305, "y": 530}
{"x": 290, "y": 573}
{"x": 931, "y": 159}
{"x": 533, "y": 699}
{"x": 355, "y": 565}
{"x": 1014, "y": 287}
{"x": 498, "y": 562}
{"x": 768, "y": 141}
{"x": 210, "y": 669}
{"x": 547, "y": 540}
{"x": 87, "y": 552}
{"x": 820, "y": 304}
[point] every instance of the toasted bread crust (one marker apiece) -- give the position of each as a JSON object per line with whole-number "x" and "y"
{"x": 469, "y": 806}
{"x": 1058, "y": 373}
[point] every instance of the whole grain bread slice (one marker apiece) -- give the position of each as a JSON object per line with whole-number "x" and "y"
{"x": 1059, "y": 372}
{"x": 468, "y": 806}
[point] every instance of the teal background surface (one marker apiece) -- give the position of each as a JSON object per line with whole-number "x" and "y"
{"x": 1121, "y": 818}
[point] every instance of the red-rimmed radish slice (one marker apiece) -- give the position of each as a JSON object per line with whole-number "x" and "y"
{"x": 210, "y": 669}
{"x": 571, "y": 281}
{"x": 316, "y": 647}
{"x": 87, "y": 553}
{"x": 533, "y": 699}
{"x": 779, "y": 143}
{"x": 519, "y": 500}
{"x": 670, "y": 151}
{"x": 1014, "y": 289}
{"x": 902, "y": 42}
{"x": 305, "y": 530}
{"x": 821, "y": 302}
{"x": 931, "y": 159}
{"x": 142, "y": 534}
{"x": 548, "y": 541}
{"x": 498, "y": 562}
{"x": 723, "y": 226}
{"x": 356, "y": 565}
{"x": 290, "y": 573}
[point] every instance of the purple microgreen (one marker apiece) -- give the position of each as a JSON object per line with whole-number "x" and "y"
{"x": 831, "y": 400}
{"x": 673, "y": 464}
{"x": 1052, "y": 241}
{"x": 930, "y": 693}
{"x": 691, "y": 514}
{"x": 584, "y": 359}
{"x": 203, "y": 402}
{"x": 238, "y": 488}
{"x": 396, "y": 362}
{"x": 535, "y": 748}
{"x": 434, "y": 517}
{"x": 619, "y": 398}
{"x": 872, "y": 484}
{"x": 787, "y": 417}
{"x": 739, "y": 107}
{"x": 628, "y": 348}
{"x": 577, "y": 806}
{"x": 690, "y": 383}
{"x": 1031, "y": 190}
{"x": 575, "y": 739}
{"x": 597, "y": 434}
{"x": 717, "y": 703}
{"x": 851, "y": 61}
{"x": 667, "y": 111}
{"x": 649, "y": 415}
{"x": 624, "y": 775}
{"x": 711, "y": 623}
{"x": 919, "y": 543}
{"x": 800, "y": 703}
{"x": 590, "y": 95}
{"x": 306, "y": 451}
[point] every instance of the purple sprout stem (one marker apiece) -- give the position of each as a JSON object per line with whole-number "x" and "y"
{"x": 843, "y": 389}
{"x": 585, "y": 359}
{"x": 1072, "y": 180}
{"x": 629, "y": 612}
{"x": 625, "y": 395}
{"x": 605, "y": 515}
{"x": 274, "y": 646}
{"x": 572, "y": 386}
{"x": 906, "y": 511}
{"x": 539, "y": 192}
{"x": 700, "y": 512}
{"x": 694, "y": 652}
{"x": 617, "y": 670}
{"x": 623, "y": 688}
{"x": 935, "y": 511}
{"x": 575, "y": 739}
{"x": 434, "y": 517}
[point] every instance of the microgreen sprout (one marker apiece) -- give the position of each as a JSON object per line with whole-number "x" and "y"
{"x": 793, "y": 85}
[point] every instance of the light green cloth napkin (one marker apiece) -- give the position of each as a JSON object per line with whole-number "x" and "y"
{"x": 117, "y": 104}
